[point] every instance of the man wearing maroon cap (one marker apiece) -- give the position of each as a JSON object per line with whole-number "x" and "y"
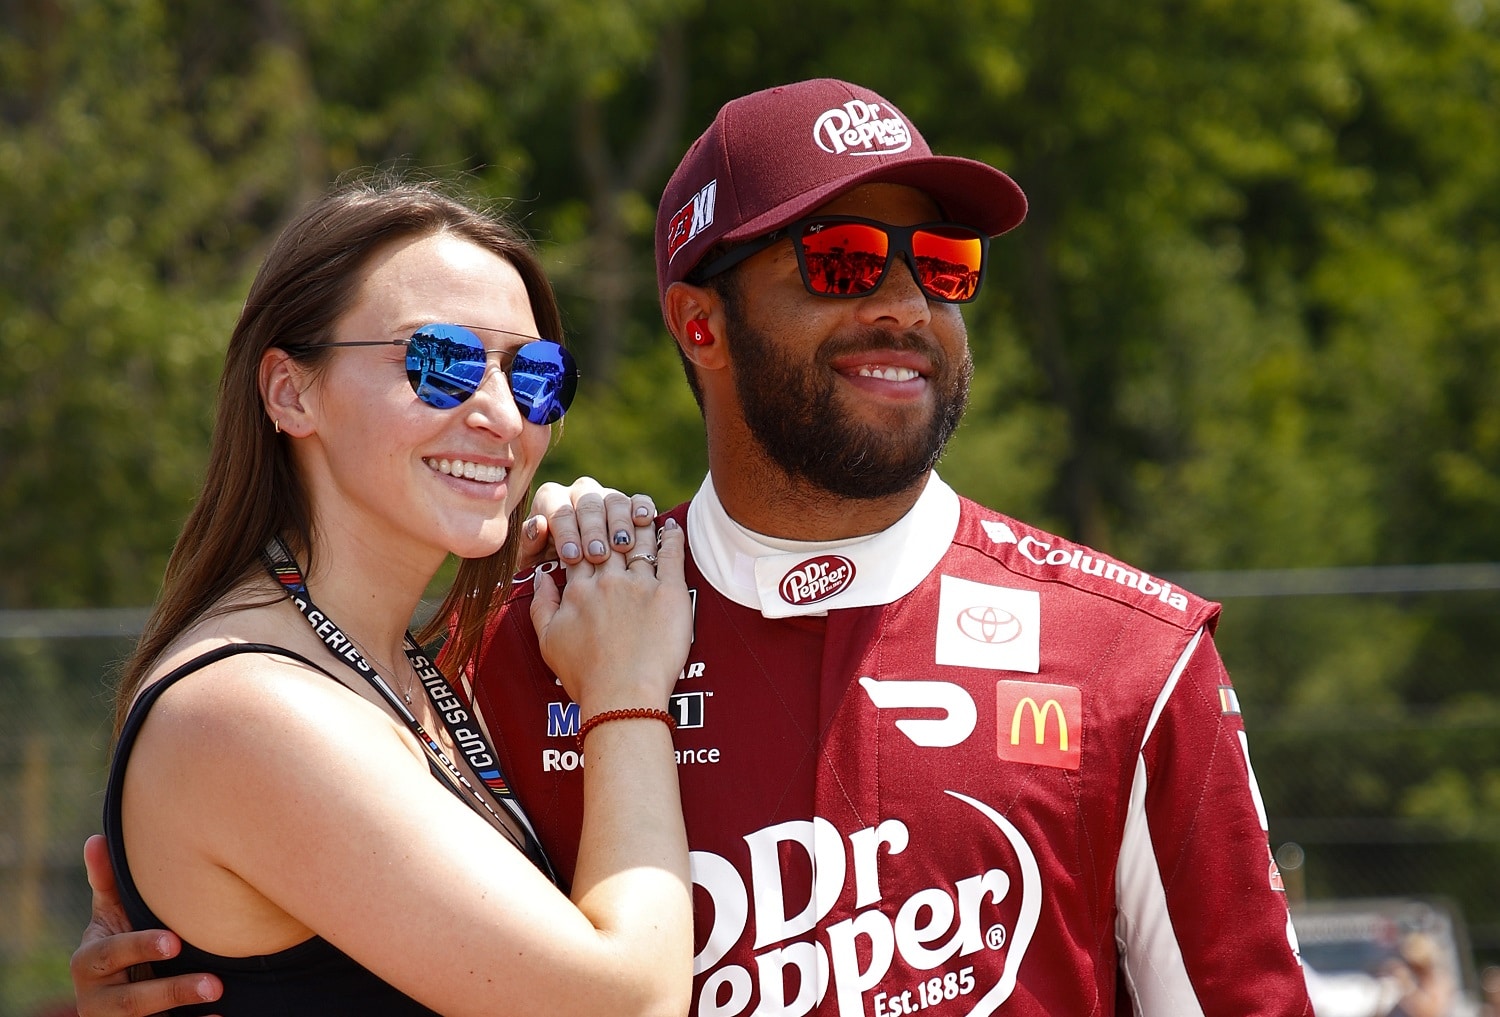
{"x": 931, "y": 757}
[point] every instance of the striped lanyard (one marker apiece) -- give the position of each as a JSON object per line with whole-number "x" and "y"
{"x": 463, "y": 727}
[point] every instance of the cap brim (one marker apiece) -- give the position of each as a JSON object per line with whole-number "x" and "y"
{"x": 967, "y": 191}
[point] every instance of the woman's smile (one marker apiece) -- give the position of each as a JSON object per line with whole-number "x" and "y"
{"x": 468, "y": 470}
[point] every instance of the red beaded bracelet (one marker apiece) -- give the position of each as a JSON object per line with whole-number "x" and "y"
{"x": 635, "y": 711}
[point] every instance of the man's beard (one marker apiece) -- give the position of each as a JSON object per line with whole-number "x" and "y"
{"x": 791, "y": 408}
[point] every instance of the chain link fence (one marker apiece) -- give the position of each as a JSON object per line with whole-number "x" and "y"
{"x": 55, "y": 671}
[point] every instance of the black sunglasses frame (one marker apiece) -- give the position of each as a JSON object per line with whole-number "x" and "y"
{"x": 898, "y": 238}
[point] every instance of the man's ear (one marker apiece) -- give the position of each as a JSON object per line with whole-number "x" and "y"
{"x": 282, "y": 384}
{"x": 695, "y": 316}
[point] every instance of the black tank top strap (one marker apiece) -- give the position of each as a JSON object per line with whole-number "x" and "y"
{"x": 312, "y": 977}
{"x": 135, "y": 907}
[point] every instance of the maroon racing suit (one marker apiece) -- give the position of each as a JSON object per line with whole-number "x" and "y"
{"x": 960, "y": 766}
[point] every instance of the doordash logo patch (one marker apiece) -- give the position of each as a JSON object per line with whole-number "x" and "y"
{"x": 959, "y": 712}
{"x": 1040, "y": 724}
{"x": 994, "y": 627}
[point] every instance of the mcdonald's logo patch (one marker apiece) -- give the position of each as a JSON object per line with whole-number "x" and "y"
{"x": 1039, "y": 724}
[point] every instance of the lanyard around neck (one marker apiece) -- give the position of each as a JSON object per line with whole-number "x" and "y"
{"x": 463, "y": 727}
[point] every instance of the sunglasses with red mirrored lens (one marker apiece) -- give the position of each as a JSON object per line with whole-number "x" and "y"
{"x": 845, "y": 256}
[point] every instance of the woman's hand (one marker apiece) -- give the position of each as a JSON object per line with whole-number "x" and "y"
{"x": 581, "y": 522}
{"x": 618, "y": 636}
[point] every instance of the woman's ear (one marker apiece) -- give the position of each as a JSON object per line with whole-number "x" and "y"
{"x": 695, "y": 317}
{"x": 282, "y": 385}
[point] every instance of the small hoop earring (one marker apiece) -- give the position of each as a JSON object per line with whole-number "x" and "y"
{"x": 277, "y": 423}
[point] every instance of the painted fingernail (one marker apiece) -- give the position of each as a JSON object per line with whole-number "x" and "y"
{"x": 643, "y": 512}
{"x": 205, "y": 989}
{"x": 621, "y": 538}
{"x": 596, "y": 547}
{"x": 670, "y": 524}
{"x": 530, "y": 528}
{"x": 570, "y": 550}
{"x": 163, "y": 946}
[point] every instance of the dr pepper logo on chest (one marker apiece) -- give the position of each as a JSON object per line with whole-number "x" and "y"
{"x": 816, "y": 579}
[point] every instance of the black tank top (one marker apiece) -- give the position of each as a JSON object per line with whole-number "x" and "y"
{"x": 312, "y": 978}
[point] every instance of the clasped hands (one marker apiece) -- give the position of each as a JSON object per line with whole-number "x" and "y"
{"x": 583, "y": 521}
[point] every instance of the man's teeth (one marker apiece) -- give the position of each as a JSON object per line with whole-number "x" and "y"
{"x": 888, "y": 373}
{"x": 469, "y": 471}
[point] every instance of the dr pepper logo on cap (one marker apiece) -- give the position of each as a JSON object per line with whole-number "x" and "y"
{"x": 859, "y": 128}
{"x": 817, "y": 579}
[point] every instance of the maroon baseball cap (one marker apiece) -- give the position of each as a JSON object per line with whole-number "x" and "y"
{"x": 773, "y": 156}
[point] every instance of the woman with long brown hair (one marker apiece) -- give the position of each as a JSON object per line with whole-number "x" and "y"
{"x": 296, "y": 791}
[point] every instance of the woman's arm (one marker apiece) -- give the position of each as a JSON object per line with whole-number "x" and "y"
{"x": 314, "y": 815}
{"x": 577, "y": 516}
{"x": 630, "y": 769}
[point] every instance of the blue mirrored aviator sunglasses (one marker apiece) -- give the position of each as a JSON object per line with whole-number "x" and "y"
{"x": 446, "y": 363}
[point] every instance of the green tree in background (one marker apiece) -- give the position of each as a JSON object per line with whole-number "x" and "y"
{"x": 1253, "y": 296}
{"x": 1251, "y": 321}
{"x": 150, "y": 151}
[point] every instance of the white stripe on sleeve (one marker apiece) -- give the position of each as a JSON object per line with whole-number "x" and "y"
{"x": 1150, "y": 956}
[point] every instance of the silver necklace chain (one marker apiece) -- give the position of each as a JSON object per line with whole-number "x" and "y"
{"x": 411, "y": 672}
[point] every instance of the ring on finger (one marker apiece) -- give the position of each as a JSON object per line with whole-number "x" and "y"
{"x": 649, "y": 559}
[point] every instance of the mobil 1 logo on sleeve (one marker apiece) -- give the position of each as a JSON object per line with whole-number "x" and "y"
{"x": 687, "y": 708}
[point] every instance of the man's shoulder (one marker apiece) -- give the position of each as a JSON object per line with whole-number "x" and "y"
{"x": 523, "y": 584}
{"x": 1043, "y": 557}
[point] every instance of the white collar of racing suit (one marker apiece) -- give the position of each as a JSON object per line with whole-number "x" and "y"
{"x": 749, "y": 568}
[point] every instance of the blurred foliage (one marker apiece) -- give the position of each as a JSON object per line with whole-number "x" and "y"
{"x": 1251, "y": 321}
{"x": 53, "y": 752}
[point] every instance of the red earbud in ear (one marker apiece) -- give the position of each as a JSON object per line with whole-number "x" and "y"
{"x": 698, "y": 333}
